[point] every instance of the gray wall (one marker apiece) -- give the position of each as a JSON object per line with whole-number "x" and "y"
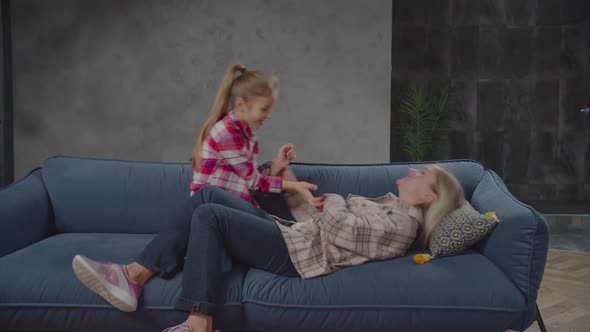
{"x": 520, "y": 71}
{"x": 135, "y": 79}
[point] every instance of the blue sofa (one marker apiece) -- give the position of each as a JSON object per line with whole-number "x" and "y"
{"x": 109, "y": 210}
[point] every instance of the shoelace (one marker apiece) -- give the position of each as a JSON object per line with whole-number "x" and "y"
{"x": 110, "y": 272}
{"x": 171, "y": 329}
{"x": 177, "y": 328}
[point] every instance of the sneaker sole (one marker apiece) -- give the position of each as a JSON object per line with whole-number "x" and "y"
{"x": 87, "y": 276}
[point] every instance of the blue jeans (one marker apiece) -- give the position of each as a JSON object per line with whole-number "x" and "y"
{"x": 165, "y": 254}
{"x": 218, "y": 220}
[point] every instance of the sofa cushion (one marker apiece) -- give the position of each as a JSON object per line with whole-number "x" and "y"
{"x": 37, "y": 285}
{"x": 460, "y": 230}
{"x": 465, "y": 292}
{"x": 111, "y": 196}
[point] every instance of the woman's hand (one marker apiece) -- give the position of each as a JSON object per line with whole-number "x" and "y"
{"x": 316, "y": 202}
{"x": 323, "y": 198}
{"x": 285, "y": 155}
{"x": 305, "y": 189}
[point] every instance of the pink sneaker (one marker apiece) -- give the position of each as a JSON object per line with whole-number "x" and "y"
{"x": 184, "y": 327}
{"x": 110, "y": 281}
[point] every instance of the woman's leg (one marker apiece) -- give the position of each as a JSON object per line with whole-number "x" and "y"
{"x": 164, "y": 255}
{"x": 246, "y": 238}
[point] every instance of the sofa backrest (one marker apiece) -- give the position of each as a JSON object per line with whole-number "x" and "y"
{"x": 369, "y": 180}
{"x": 372, "y": 180}
{"x": 112, "y": 196}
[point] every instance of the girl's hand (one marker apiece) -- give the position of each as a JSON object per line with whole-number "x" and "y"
{"x": 288, "y": 151}
{"x": 285, "y": 155}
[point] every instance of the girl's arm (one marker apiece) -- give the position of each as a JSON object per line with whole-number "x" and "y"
{"x": 238, "y": 158}
{"x": 235, "y": 152}
{"x": 277, "y": 166}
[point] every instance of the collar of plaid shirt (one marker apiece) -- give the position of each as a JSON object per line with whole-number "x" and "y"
{"x": 391, "y": 199}
{"x": 240, "y": 124}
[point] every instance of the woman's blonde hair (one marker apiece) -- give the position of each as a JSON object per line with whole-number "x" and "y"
{"x": 450, "y": 196}
{"x": 250, "y": 83}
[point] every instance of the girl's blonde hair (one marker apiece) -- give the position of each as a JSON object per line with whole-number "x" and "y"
{"x": 450, "y": 196}
{"x": 250, "y": 83}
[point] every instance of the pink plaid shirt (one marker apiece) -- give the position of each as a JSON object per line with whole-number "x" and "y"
{"x": 229, "y": 160}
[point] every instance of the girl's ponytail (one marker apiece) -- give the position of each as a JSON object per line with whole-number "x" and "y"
{"x": 219, "y": 109}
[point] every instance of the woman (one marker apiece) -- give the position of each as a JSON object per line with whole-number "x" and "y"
{"x": 346, "y": 232}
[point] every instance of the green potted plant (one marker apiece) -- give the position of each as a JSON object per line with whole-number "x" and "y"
{"x": 422, "y": 117}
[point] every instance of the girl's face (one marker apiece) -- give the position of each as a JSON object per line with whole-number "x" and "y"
{"x": 255, "y": 111}
{"x": 417, "y": 188}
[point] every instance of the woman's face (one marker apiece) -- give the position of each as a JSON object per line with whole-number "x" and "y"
{"x": 255, "y": 111}
{"x": 417, "y": 188}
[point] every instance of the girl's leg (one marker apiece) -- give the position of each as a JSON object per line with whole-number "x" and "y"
{"x": 246, "y": 237}
{"x": 122, "y": 285}
{"x": 164, "y": 255}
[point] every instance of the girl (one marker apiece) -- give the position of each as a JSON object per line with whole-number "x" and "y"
{"x": 226, "y": 152}
{"x": 225, "y": 156}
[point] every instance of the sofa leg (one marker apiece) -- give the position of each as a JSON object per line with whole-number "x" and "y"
{"x": 540, "y": 320}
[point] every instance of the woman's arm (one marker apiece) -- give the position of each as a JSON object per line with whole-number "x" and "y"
{"x": 344, "y": 229}
{"x": 299, "y": 207}
{"x": 302, "y": 201}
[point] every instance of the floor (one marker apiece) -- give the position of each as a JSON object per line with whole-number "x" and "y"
{"x": 564, "y": 297}
{"x": 569, "y": 232}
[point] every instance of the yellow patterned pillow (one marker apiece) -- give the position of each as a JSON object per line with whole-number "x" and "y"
{"x": 458, "y": 231}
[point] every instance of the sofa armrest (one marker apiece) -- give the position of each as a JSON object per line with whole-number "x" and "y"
{"x": 518, "y": 245}
{"x": 26, "y": 215}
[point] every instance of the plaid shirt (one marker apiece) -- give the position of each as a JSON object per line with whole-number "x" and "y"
{"x": 349, "y": 232}
{"x": 229, "y": 160}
